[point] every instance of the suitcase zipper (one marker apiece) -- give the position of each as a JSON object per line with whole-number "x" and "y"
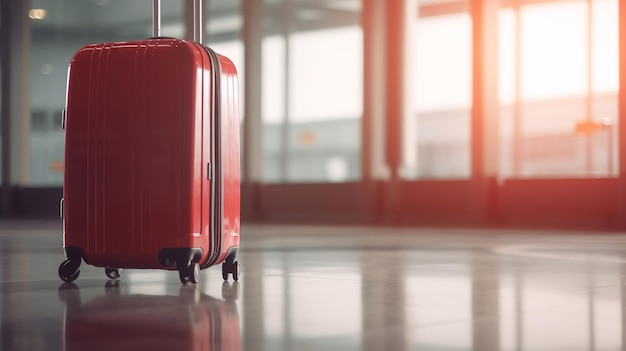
{"x": 216, "y": 203}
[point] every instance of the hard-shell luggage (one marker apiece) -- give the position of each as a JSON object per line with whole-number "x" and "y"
{"x": 151, "y": 159}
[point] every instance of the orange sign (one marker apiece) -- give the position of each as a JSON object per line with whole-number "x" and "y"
{"x": 589, "y": 126}
{"x": 307, "y": 137}
{"x": 57, "y": 166}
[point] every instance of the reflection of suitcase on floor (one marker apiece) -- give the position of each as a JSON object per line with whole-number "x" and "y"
{"x": 151, "y": 159}
{"x": 117, "y": 321}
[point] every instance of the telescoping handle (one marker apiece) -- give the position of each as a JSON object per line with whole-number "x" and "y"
{"x": 156, "y": 18}
{"x": 198, "y": 20}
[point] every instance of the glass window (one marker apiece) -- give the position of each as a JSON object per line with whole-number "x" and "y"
{"x": 558, "y": 89}
{"x": 56, "y": 33}
{"x": 273, "y": 107}
{"x": 437, "y": 133}
{"x": 312, "y": 94}
{"x": 39, "y": 121}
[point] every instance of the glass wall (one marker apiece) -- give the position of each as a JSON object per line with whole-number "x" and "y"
{"x": 312, "y": 98}
{"x": 58, "y": 29}
{"x": 437, "y": 133}
{"x": 558, "y": 88}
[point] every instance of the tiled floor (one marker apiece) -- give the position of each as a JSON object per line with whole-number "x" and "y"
{"x": 330, "y": 288}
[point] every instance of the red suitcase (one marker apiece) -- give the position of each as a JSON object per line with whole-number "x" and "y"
{"x": 151, "y": 159}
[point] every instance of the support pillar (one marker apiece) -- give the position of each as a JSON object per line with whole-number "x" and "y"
{"x": 252, "y": 138}
{"x": 15, "y": 112}
{"x": 621, "y": 124}
{"x": 484, "y": 124}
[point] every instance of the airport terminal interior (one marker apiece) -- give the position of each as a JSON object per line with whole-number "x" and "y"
{"x": 415, "y": 175}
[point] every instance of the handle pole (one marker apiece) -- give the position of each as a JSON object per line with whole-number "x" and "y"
{"x": 198, "y": 21}
{"x": 156, "y": 18}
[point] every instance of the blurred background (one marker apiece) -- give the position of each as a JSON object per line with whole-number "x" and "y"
{"x": 416, "y": 112}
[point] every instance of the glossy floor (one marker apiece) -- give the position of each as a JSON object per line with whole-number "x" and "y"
{"x": 330, "y": 288}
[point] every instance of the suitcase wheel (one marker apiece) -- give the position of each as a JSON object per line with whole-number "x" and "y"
{"x": 69, "y": 270}
{"x": 113, "y": 273}
{"x": 189, "y": 273}
{"x": 236, "y": 270}
{"x": 230, "y": 267}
